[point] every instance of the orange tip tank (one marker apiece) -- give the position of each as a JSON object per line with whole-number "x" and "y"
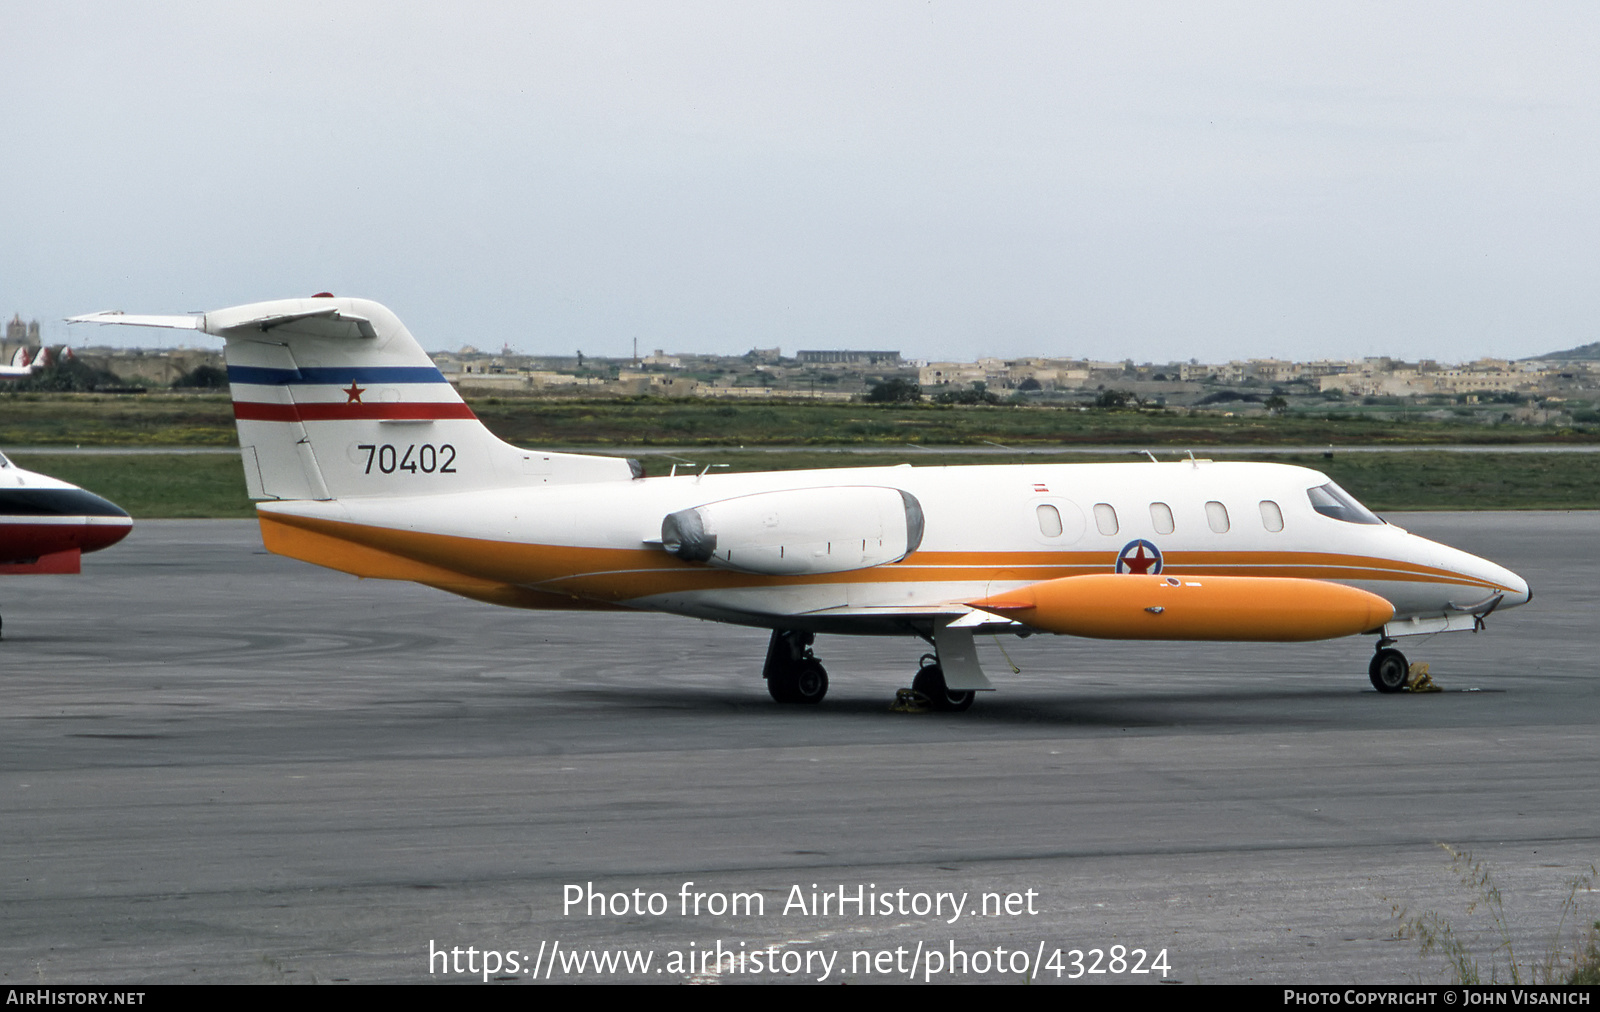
{"x": 1124, "y": 606}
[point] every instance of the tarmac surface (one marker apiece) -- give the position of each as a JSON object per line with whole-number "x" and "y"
{"x": 219, "y": 765}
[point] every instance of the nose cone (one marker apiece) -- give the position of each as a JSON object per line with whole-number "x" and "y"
{"x": 1492, "y": 577}
{"x": 104, "y": 522}
{"x": 1518, "y": 591}
{"x": 103, "y": 532}
{"x": 1499, "y": 578}
{"x": 49, "y": 516}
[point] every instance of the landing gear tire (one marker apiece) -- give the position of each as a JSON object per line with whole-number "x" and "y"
{"x": 793, "y": 673}
{"x": 1389, "y": 671}
{"x": 930, "y": 682}
{"x": 803, "y": 682}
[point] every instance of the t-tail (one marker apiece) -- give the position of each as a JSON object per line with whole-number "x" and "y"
{"x": 335, "y": 399}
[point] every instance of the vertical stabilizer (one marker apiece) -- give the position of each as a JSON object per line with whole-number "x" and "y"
{"x": 335, "y": 399}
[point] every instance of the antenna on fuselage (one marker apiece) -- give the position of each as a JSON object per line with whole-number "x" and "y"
{"x": 681, "y": 460}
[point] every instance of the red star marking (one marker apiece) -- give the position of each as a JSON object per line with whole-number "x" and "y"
{"x": 1140, "y": 563}
{"x": 354, "y": 392}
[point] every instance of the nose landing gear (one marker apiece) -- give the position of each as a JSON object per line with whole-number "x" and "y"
{"x": 1389, "y": 668}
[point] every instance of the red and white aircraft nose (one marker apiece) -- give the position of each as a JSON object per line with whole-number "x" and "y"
{"x": 45, "y": 525}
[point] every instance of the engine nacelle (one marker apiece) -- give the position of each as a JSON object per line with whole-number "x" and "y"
{"x": 1247, "y": 608}
{"x": 798, "y": 531}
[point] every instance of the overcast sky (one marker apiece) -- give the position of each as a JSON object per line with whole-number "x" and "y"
{"x": 1147, "y": 181}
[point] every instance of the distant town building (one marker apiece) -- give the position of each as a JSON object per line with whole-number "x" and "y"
{"x": 153, "y": 367}
{"x": 19, "y": 333}
{"x": 1387, "y": 377}
{"x": 939, "y": 374}
{"x": 878, "y": 358}
{"x": 661, "y": 360}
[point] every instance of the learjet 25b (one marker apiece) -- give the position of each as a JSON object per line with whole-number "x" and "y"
{"x": 366, "y": 460}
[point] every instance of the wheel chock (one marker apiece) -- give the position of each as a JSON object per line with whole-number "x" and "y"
{"x": 911, "y": 701}
{"x": 1418, "y": 679}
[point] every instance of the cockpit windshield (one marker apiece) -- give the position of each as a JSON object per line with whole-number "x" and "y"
{"x": 1332, "y": 501}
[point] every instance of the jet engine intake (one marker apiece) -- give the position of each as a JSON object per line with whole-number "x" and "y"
{"x": 799, "y": 531}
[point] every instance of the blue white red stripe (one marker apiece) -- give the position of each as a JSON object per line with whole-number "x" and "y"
{"x": 343, "y": 393}
{"x": 373, "y": 374}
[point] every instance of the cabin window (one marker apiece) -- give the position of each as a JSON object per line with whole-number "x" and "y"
{"x": 1271, "y": 516}
{"x": 1217, "y": 517}
{"x": 1161, "y": 517}
{"x": 1105, "y": 518}
{"x": 1049, "y": 520}
{"x": 1332, "y": 501}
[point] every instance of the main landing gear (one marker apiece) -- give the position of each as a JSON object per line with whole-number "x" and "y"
{"x": 793, "y": 673}
{"x": 1389, "y": 669}
{"x": 930, "y": 683}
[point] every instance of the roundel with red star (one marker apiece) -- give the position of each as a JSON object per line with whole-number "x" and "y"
{"x": 1140, "y": 557}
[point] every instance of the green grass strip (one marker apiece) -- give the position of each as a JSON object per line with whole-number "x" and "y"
{"x": 155, "y": 485}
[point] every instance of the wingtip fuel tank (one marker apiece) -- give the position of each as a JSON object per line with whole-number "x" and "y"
{"x": 1241, "y": 608}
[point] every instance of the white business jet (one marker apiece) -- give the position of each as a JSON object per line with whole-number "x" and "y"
{"x": 364, "y": 459}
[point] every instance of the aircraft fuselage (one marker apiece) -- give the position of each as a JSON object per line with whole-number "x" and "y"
{"x": 986, "y": 529}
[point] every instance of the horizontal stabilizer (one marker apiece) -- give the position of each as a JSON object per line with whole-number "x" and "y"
{"x": 329, "y": 321}
{"x": 131, "y": 320}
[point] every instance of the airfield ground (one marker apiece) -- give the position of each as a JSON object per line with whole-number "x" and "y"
{"x": 221, "y": 765}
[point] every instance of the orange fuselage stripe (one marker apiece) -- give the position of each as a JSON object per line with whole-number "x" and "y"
{"x": 621, "y": 574}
